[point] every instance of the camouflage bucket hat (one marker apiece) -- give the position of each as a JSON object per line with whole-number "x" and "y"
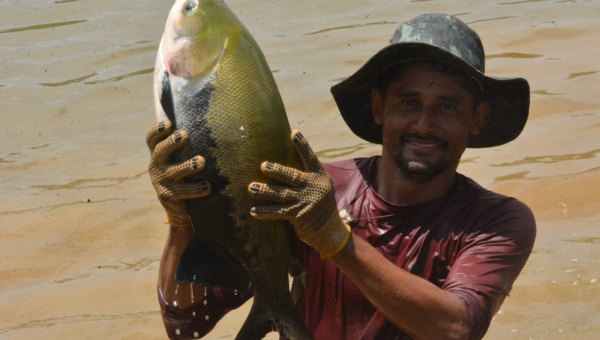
{"x": 445, "y": 38}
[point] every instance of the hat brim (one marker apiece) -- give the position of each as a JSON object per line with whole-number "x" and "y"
{"x": 508, "y": 97}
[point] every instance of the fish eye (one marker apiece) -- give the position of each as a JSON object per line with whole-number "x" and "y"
{"x": 190, "y": 6}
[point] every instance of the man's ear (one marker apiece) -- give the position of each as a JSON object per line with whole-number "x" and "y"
{"x": 481, "y": 112}
{"x": 377, "y": 106}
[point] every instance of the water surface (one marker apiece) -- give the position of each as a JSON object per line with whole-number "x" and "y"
{"x": 82, "y": 230}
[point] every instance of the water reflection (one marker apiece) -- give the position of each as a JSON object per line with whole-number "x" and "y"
{"x": 42, "y": 27}
{"x": 90, "y": 183}
{"x": 57, "y": 206}
{"x": 490, "y": 19}
{"x": 580, "y": 74}
{"x": 121, "y": 77}
{"x": 546, "y": 93}
{"x": 520, "y": 2}
{"x": 353, "y": 26}
{"x": 50, "y": 322}
{"x": 516, "y": 175}
{"x": 70, "y": 81}
{"x": 514, "y": 55}
{"x": 550, "y": 159}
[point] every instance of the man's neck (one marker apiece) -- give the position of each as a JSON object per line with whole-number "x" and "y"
{"x": 395, "y": 188}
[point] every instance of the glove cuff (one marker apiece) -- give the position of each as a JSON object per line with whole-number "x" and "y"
{"x": 178, "y": 221}
{"x": 332, "y": 238}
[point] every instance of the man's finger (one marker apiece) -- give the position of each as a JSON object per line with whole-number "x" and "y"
{"x": 180, "y": 171}
{"x": 184, "y": 191}
{"x": 282, "y": 173}
{"x": 158, "y": 133}
{"x": 164, "y": 149}
{"x": 308, "y": 157}
{"x": 273, "y": 212}
{"x": 275, "y": 193}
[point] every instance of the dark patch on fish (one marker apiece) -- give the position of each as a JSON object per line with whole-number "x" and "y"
{"x": 204, "y": 261}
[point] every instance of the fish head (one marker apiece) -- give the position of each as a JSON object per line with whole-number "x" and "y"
{"x": 193, "y": 44}
{"x": 195, "y": 38}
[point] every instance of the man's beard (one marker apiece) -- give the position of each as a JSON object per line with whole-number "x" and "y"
{"x": 419, "y": 169}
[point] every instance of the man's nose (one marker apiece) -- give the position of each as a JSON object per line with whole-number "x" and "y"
{"x": 426, "y": 121}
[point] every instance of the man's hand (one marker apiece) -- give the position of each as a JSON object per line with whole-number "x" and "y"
{"x": 167, "y": 179}
{"x": 309, "y": 204}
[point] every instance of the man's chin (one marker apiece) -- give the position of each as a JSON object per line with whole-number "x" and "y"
{"x": 417, "y": 167}
{"x": 419, "y": 170}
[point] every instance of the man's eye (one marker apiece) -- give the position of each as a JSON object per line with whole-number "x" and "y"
{"x": 409, "y": 103}
{"x": 447, "y": 107}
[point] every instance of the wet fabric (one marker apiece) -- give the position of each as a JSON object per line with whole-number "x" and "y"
{"x": 471, "y": 242}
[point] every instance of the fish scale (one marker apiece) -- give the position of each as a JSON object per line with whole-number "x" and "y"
{"x": 212, "y": 80}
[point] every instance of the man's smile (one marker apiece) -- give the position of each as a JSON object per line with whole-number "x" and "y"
{"x": 427, "y": 143}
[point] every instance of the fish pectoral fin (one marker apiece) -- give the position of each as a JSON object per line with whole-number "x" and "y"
{"x": 212, "y": 267}
{"x": 166, "y": 99}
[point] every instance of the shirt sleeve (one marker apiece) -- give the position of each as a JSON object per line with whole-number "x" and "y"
{"x": 491, "y": 258}
{"x": 196, "y": 321}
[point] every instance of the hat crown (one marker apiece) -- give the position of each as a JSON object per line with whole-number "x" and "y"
{"x": 446, "y": 32}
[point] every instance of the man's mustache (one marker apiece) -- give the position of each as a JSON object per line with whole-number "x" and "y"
{"x": 424, "y": 139}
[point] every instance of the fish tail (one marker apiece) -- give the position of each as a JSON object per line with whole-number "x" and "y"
{"x": 263, "y": 320}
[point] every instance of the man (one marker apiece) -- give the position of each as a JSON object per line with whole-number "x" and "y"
{"x": 417, "y": 250}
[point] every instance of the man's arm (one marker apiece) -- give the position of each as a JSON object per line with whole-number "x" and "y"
{"x": 185, "y": 308}
{"x": 414, "y": 305}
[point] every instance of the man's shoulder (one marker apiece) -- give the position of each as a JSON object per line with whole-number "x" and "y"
{"x": 349, "y": 176}
{"x": 489, "y": 208}
{"x": 481, "y": 197}
{"x": 359, "y": 167}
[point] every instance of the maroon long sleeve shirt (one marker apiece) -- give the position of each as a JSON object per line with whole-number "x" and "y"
{"x": 471, "y": 242}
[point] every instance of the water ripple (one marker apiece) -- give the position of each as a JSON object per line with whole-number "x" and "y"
{"x": 61, "y": 320}
{"x": 135, "y": 266}
{"x": 56, "y": 206}
{"x": 551, "y": 159}
{"x": 490, "y": 19}
{"x": 119, "y": 78}
{"x": 514, "y": 55}
{"x": 353, "y": 26}
{"x": 70, "y": 81}
{"x": 103, "y": 182}
{"x": 42, "y": 27}
{"x": 580, "y": 74}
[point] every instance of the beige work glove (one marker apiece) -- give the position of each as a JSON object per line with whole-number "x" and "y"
{"x": 167, "y": 179}
{"x": 309, "y": 204}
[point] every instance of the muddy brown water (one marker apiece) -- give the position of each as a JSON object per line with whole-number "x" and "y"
{"x": 81, "y": 231}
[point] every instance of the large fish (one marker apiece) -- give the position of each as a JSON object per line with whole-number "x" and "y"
{"x": 212, "y": 80}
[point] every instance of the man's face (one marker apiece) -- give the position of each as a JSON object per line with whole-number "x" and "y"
{"x": 427, "y": 117}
